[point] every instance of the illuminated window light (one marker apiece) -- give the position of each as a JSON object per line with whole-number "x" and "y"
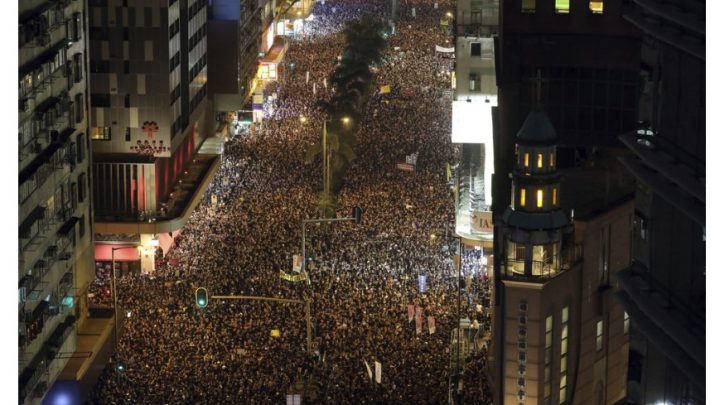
{"x": 552, "y": 159}
{"x": 522, "y": 197}
{"x": 596, "y": 7}
{"x": 539, "y": 198}
{"x": 562, "y": 6}
{"x": 528, "y": 6}
{"x": 554, "y": 195}
{"x": 539, "y": 162}
{"x": 527, "y": 160}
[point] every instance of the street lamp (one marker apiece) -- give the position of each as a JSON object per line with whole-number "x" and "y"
{"x": 114, "y": 286}
{"x": 346, "y": 120}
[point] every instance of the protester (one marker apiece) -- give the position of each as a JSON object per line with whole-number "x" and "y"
{"x": 362, "y": 277}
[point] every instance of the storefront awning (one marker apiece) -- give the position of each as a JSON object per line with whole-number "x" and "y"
{"x": 123, "y": 253}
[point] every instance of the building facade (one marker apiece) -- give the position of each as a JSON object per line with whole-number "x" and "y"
{"x": 586, "y": 56}
{"x": 55, "y": 216}
{"x": 664, "y": 287}
{"x": 559, "y": 337}
{"x": 149, "y": 115}
{"x": 474, "y": 114}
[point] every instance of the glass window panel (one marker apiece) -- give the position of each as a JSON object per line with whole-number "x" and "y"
{"x": 562, "y": 6}
{"x": 528, "y": 6}
{"x": 596, "y": 7}
{"x": 540, "y": 198}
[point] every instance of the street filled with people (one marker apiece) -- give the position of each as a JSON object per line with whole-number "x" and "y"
{"x": 383, "y": 293}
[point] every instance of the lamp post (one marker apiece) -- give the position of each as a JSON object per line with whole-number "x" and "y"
{"x": 114, "y": 286}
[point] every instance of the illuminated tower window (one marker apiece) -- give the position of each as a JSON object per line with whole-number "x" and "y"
{"x": 539, "y": 198}
{"x": 528, "y": 6}
{"x": 596, "y": 7}
{"x": 539, "y": 164}
{"x": 522, "y": 197}
{"x": 554, "y": 196}
{"x": 552, "y": 159}
{"x": 562, "y": 6}
{"x": 526, "y": 160}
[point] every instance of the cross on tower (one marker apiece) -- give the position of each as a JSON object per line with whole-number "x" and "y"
{"x": 538, "y": 87}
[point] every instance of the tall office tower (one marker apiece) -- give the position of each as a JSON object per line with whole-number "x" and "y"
{"x": 241, "y": 69}
{"x": 55, "y": 236}
{"x": 664, "y": 288}
{"x": 587, "y": 58}
{"x": 148, "y": 117}
{"x": 558, "y": 337}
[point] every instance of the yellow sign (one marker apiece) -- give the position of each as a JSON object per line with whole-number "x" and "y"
{"x": 444, "y": 21}
{"x": 275, "y": 333}
{"x": 293, "y": 277}
{"x": 385, "y": 89}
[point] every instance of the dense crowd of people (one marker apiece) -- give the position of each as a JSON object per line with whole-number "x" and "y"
{"x": 362, "y": 277}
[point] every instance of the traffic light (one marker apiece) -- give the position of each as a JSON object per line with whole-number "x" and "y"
{"x": 202, "y": 298}
{"x": 357, "y": 212}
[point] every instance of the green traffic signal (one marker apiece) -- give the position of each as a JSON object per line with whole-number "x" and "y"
{"x": 201, "y": 297}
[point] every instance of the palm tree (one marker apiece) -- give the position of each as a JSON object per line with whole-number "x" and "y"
{"x": 352, "y": 82}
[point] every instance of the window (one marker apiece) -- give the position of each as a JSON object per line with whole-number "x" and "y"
{"x": 554, "y": 197}
{"x": 540, "y": 198}
{"x": 148, "y": 50}
{"x": 82, "y": 226}
{"x": 522, "y": 197}
{"x": 599, "y": 335}
{"x": 539, "y": 161}
{"x": 79, "y": 108}
{"x": 526, "y": 160}
{"x": 604, "y": 254}
{"x": 521, "y": 357}
{"x": 475, "y": 49}
{"x": 641, "y": 226}
{"x": 100, "y": 133}
{"x": 548, "y": 359}
{"x": 562, "y": 6}
{"x": 100, "y": 99}
{"x": 596, "y": 7}
{"x": 528, "y": 6}
{"x": 76, "y": 27}
{"x": 564, "y": 341}
{"x": 626, "y": 323}
{"x": 552, "y": 159}
{"x": 80, "y": 148}
{"x": 82, "y": 184}
{"x": 77, "y": 65}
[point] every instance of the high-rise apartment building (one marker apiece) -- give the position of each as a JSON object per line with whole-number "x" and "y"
{"x": 55, "y": 218}
{"x": 664, "y": 287}
{"x": 560, "y": 337}
{"x": 148, "y": 117}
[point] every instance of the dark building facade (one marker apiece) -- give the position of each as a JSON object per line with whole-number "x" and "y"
{"x": 586, "y": 57}
{"x": 664, "y": 288}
